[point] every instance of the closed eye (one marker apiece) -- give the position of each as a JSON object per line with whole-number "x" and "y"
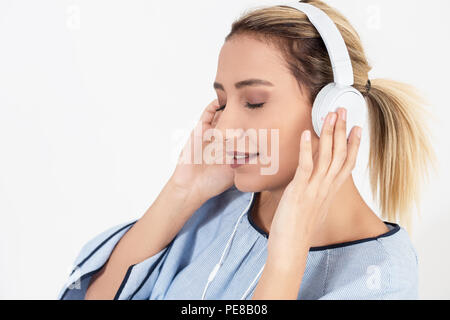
{"x": 248, "y": 105}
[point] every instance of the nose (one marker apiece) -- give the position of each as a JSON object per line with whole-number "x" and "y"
{"x": 230, "y": 124}
{"x": 234, "y": 131}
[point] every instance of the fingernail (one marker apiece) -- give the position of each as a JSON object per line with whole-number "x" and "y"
{"x": 358, "y": 132}
{"x": 307, "y": 135}
{"x": 343, "y": 114}
{"x": 332, "y": 118}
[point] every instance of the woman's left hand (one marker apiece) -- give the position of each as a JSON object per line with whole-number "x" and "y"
{"x": 306, "y": 200}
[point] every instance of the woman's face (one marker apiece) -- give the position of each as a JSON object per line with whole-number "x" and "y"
{"x": 285, "y": 110}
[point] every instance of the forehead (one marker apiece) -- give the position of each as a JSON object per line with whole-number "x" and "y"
{"x": 245, "y": 57}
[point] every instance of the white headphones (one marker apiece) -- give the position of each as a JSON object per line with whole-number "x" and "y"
{"x": 339, "y": 93}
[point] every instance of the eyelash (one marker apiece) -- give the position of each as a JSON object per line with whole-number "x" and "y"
{"x": 248, "y": 105}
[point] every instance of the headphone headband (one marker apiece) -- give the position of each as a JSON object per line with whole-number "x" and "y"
{"x": 335, "y": 44}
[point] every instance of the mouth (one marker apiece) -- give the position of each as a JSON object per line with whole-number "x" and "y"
{"x": 238, "y": 155}
{"x": 240, "y": 158}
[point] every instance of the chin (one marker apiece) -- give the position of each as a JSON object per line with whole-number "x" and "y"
{"x": 247, "y": 183}
{"x": 251, "y": 181}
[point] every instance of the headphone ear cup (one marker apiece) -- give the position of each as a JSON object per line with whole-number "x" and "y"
{"x": 332, "y": 97}
{"x": 321, "y": 109}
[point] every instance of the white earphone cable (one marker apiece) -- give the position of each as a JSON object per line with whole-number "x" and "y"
{"x": 216, "y": 268}
{"x": 253, "y": 282}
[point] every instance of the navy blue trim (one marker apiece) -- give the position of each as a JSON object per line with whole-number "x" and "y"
{"x": 90, "y": 255}
{"x": 81, "y": 279}
{"x": 349, "y": 243}
{"x": 122, "y": 285}
{"x": 100, "y": 245}
{"x": 265, "y": 234}
{"x": 330, "y": 246}
{"x": 152, "y": 268}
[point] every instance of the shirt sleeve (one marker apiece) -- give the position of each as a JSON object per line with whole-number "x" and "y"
{"x": 374, "y": 286}
{"x": 387, "y": 274}
{"x": 93, "y": 256}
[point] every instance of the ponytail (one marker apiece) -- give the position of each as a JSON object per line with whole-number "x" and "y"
{"x": 400, "y": 148}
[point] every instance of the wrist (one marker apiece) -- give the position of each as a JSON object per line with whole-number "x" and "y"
{"x": 286, "y": 265}
{"x": 279, "y": 281}
{"x": 186, "y": 195}
{"x": 292, "y": 257}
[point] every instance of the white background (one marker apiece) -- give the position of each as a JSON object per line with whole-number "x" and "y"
{"x": 95, "y": 95}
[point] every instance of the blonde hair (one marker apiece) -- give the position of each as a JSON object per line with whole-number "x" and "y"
{"x": 400, "y": 150}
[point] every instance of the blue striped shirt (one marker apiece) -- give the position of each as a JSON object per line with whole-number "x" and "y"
{"x": 382, "y": 267}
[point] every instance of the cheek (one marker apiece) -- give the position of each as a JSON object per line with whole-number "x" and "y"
{"x": 285, "y": 146}
{"x": 289, "y": 146}
{"x": 288, "y": 155}
{"x": 285, "y": 153}
{"x": 283, "y": 156}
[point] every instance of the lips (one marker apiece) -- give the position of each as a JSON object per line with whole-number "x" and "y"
{"x": 241, "y": 154}
{"x": 240, "y": 158}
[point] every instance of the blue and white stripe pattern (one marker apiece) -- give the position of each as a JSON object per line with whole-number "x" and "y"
{"x": 383, "y": 267}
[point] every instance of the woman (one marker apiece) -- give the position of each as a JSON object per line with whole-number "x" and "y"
{"x": 227, "y": 232}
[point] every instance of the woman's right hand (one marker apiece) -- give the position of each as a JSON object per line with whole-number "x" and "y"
{"x": 203, "y": 180}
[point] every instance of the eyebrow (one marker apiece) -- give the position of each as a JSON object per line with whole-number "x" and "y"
{"x": 244, "y": 83}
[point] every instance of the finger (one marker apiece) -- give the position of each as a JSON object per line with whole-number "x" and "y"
{"x": 354, "y": 143}
{"x": 216, "y": 119}
{"x": 339, "y": 145}
{"x": 325, "y": 149}
{"x": 305, "y": 160}
{"x": 209, "y": 112}
{"x": 206, "y": 118}
{"x": 214, "y": 153}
